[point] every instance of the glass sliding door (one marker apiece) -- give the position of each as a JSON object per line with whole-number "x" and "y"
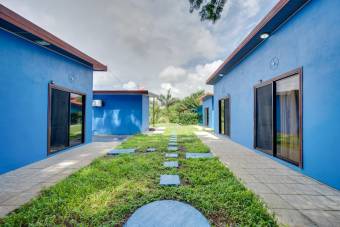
{"x": 264, "y": 118}
{"x": 76, "y": 119}
{"x": 66, "y": 118}
{"x": 224, "y": 116}
{"x": 287, "y": 119}
{"x": 59, "y": 120}
{"x": 278, "y": 117}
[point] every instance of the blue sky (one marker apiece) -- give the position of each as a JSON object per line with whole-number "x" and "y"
{"x": 150, "y": 44}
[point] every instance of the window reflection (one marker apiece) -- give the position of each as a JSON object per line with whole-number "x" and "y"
{"x": 287, "y": 119}
{"x": 76, "y": 119}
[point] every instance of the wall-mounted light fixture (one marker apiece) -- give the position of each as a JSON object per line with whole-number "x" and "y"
{"x": 42, "y": 43}
{"x": 220, "y": 75}
{"x": 264, "y": 35}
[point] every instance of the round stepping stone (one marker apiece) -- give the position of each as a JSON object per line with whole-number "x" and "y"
{"x": 167, "y": 213}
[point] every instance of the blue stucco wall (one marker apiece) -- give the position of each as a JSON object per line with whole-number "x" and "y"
{"x": 121, "y": 114}
{"x": 309, "y": 39}
{"x": 145, "y": 113}
{"x": 209, "y": 103}
{"x": 26, "y": 70}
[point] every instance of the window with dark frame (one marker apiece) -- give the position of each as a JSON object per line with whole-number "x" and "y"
{"x": 66, "y": 118}
{"x": 224, "y": 116}
{"x": 278, "y": 117}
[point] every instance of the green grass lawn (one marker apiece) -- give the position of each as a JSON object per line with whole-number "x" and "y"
{"x": 108, "y": 191}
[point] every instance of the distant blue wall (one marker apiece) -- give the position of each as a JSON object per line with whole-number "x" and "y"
{"x": 120, "y": 115}
{"x": 25, "y": 71}
{"x": 145, "y": 112}
{"x": 200, "y": 114}
{"x": 209, "y": 103}
{"x": 309, "y": 39}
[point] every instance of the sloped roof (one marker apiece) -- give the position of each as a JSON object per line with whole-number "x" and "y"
{"x": 16, "y": 24}
{"x": 278, "y": 15}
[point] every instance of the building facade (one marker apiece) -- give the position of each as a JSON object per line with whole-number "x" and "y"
{"x": 46, "y": 93}
{"x": 208, "y": 110}
{"x": 278, "y": 92}
{"x": 122, "y": 112}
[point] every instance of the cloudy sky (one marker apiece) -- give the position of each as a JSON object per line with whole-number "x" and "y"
{"x": 150, "y": 44}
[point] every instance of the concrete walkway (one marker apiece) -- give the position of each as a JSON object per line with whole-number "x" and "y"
{"x": 296, "y": 200}
{"x": 20, "y": 186}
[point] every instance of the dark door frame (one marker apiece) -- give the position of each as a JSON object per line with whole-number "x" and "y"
{"x": 219, "y": 116}
{"x": 49, "y": 115}
{"x": 299, "y": 72}
{"x": 206, "y": 111}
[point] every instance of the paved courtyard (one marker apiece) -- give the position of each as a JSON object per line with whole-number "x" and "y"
{"x": 296, "y": 200}
{"x": 19, "y": 186}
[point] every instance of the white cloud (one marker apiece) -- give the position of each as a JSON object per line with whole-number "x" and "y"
{"x": 191, "y": 80}
{"x": 166, "y": 86}
{"x": 158, "y": 45}
{"x": 172, "y": 74}
{"x": 130, "y": 85}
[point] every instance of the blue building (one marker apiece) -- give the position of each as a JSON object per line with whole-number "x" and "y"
{"x": 278, "y": 92}
{"x": 208, "y": 110}
{"x": 120, "y": 112}
{"x": 46, "y": 93}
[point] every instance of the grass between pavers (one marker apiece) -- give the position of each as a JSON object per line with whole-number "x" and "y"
{"x": 109, "y": 190}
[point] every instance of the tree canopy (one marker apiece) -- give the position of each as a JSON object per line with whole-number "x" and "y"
{"x": 209, "y": 10}
{"x": 181, "y": 111}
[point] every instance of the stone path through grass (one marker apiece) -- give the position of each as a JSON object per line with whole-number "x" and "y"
{"x": 112, "y": 188}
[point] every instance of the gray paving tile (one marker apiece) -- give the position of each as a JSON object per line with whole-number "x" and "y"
{"x": 4, "y": 210}
{"x": 275, "y": 201}
{"x": 171, "y": 155}
{"x": 167, "y": 213}
{"x": 198, "y": 155}
{"x": 151, "y": 149}
{"x": 322, "y": 218}
{"x": 311, "y": 202}
{"x": 19, "y": 199}
{"x": 19, "y": 186}
{"x": 169, "y": 180}
{"x": 172, "y": 144}
{"x": 282, "y": 189}
{"x": 293, "y": 218}
{"x": 171, "y": 164}
{"x": 293, "y": 189}
{"x": 121, "y": 151}
{"x": 172, "y": 148}
{"x": 259, "y": 188}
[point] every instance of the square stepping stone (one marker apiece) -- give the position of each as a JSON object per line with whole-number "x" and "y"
{"x": 171, "y": 155}
{"x": 172, "y": 148}
{"x": 198, "y": 155}
{"x": 169, "y": 180}
{"x": 121, "y": 151}
{"x": 151, "y": 149}
{"x": 173, "y": 144}
{"x": 171, "y": 164}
